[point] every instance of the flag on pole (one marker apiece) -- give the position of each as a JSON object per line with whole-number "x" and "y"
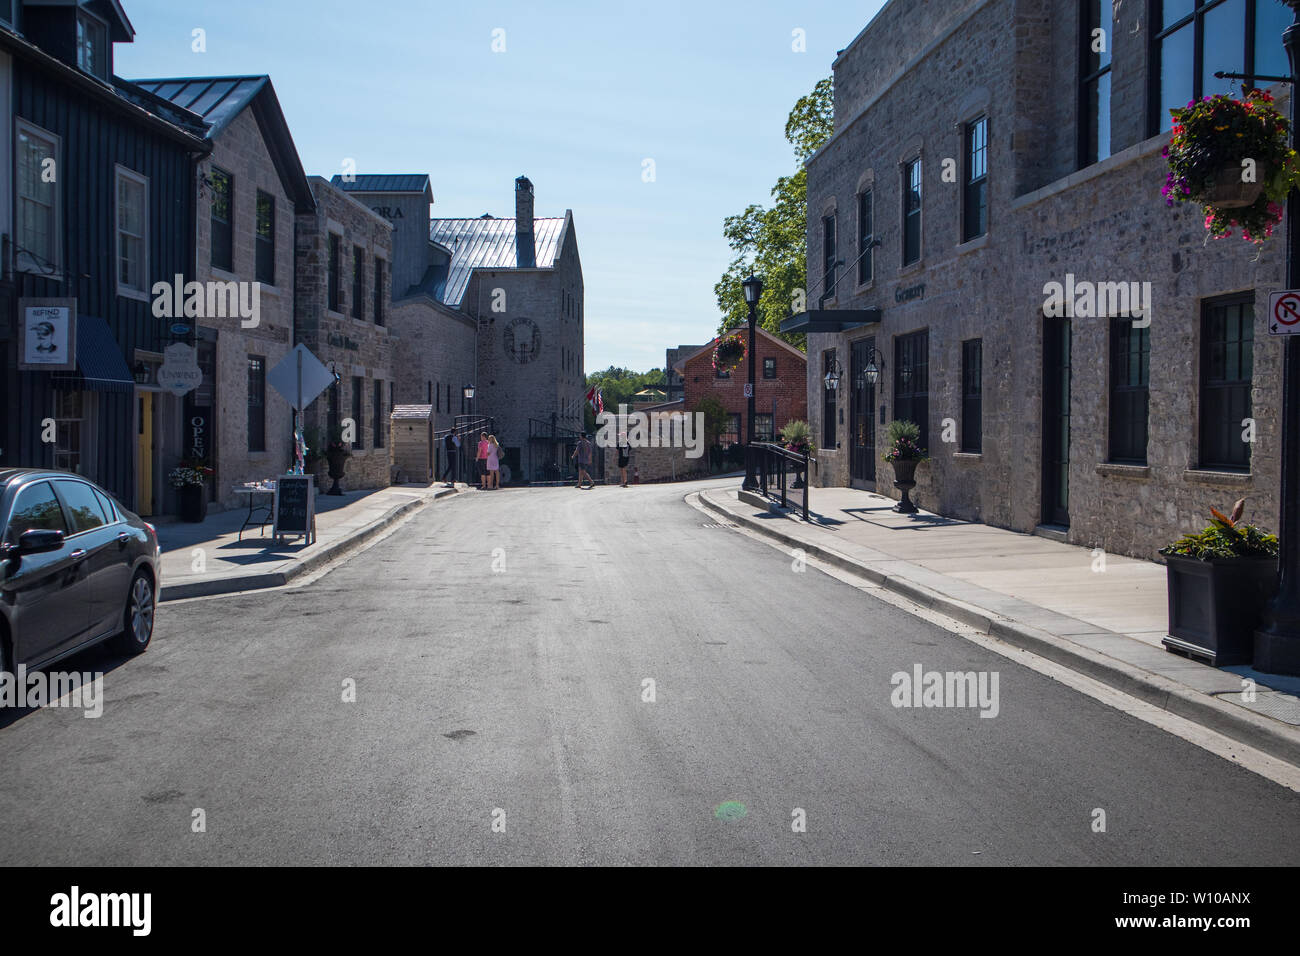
{"x": 595, "y": 399}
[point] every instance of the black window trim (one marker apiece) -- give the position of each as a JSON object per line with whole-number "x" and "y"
{"x": 1113, "y": 389}
{"x": 1085, "y": 79}
{"x": 968, "y": 184}
{"x": 1207, "y": 305}
{"x": 920, "y": 209}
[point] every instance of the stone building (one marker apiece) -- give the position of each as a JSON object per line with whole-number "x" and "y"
{"x": 673, "y": 379}
{"x": 780, "y": 387}
{"x": 520, "y": 280}
{"x": 434, "y": 344}
{"x": 249, "y": 191}
{"x": 343, "y": 253}
{"x": 981, "y": 152}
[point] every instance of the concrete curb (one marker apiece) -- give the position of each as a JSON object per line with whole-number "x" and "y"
{"x": 274, "y": 579}
{"x": 1269, "y": 736}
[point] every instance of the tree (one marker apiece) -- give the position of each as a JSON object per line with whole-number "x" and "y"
{"x": 618, "y": 385}
{"x": 773, "y": 242}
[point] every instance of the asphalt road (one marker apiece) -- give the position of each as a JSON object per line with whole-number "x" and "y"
{"x": 517, "y": 696}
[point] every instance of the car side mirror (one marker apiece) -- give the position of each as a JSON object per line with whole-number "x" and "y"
{"x": 39, "y": 541}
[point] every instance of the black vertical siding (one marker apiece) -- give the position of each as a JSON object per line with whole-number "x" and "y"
{"x": 95, "y": 140}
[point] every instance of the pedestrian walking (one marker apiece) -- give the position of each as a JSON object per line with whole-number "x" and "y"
{"x": 450, "y": 451}
{"x": 582, "y": 455}
{"x": 480, "y": 461}
{"x": 494, "y": 462}
{"x": 624, "y": 455}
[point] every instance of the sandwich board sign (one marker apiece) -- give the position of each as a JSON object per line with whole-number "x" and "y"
{"x": 293, "y": 510}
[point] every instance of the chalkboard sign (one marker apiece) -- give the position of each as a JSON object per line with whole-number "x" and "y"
{"x": 294, "y": 508}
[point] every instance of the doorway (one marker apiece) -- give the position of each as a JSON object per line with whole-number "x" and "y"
{"x": 1056, "y": 421}
{"x": 862, "y": 424}
{"x": 144, "y": 452}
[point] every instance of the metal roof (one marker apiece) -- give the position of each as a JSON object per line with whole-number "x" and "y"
{"x": 415, "y": 412}
{"x": 489, "y": 243}
{"x": 384, "y": 183}
{"x": 217, "y": 99}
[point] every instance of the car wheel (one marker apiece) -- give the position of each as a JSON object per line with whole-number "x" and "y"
{"x": 137, "y": 619}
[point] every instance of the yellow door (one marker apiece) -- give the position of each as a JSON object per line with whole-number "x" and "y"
{"x": 144, "y": 484}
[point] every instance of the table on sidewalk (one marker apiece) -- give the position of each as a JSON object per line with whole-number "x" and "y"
{"x": 252, "y": 491}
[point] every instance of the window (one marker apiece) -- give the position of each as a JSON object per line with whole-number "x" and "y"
{"x": 912, "y": 212}
{"x": 828, "y": 401}
{"x": 358, "y": 389}
{"x": 265, "y": 238}
{"x": 81, "y": 506}
{"x": 7, "y": 11}
{"x": 69, "y": 429}
{"x": 358, "y": 282}
{"x": 35, "y": 510}
{"x": 256, "y": 403}
{"x": 334, "y": 424}
{"x": 333, "y": 266}
{"x": 912, "y": 381}
{"x": 1227, "y": 361}
{"x": 379, "y": 291}
{"x": 769, "y": 368}
{"x": 1094, "y": 81}
{"x": 1129, "y": 376}
{"x": 975, "y": 191}
{"x": 92, "y": 45}
{"x": 828, "y": 257}
{"x": 972, "y": 396}
{"x": 223, "y": 219}
{"x": 38, "y": 200}
{"x": 379, "y": 414}
{"x": 1194, "y": 39}
{"x": 731, "y": 436}
{"x": 866, "y": 238}
{"x": 132, "y": 241}
{"x": 763, "y": 427}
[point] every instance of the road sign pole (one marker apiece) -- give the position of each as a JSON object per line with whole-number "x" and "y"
{"x": 1277, "y": 647}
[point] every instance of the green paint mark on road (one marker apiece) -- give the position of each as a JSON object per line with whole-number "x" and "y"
{"x": 730, "y": 810}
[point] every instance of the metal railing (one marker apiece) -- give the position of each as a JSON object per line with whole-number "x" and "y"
{"x": 770, "y": 465}
{"x": 468, "y": 427}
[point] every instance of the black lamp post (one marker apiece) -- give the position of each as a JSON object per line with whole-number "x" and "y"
{"x": 1277, "y": 646}
{"x": 468, "y": 392}
{"x": 753, "y": 291}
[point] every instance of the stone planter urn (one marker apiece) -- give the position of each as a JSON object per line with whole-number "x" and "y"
{"x": 1229, "y": 192}
{"x": 905, "y": 481}
{"x": 1215, "y": 606}
{"x": 194, "y": 503}
{"x": 337, "y": 459}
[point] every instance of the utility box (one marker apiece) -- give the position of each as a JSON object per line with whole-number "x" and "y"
{"x": 412, "y": 442}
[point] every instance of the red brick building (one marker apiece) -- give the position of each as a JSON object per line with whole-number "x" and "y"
{"x": 780, "y": 386}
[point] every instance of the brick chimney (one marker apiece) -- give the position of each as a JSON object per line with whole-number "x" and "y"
{"x": 525, "y": 246}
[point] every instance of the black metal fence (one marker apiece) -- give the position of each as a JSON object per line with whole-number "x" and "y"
{"x": 465, "y": 466}
{"x": 771, "y": 465}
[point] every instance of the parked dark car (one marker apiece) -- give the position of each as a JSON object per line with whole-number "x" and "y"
{"x": 76, "y": 568}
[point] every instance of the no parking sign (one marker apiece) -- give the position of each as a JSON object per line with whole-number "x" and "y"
{"x": 1284, "y": 312}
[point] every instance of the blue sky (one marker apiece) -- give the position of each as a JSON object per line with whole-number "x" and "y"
{"x": 583, "y": 93}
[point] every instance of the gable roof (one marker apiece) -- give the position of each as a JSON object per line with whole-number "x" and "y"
{"x": 681, "y": 362}
{"x": 219, "y": 99}
{"x": 489, "y": 243}
{"x": 384, "y": 183}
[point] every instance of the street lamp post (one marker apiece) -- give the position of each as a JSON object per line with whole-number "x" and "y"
{"x": 753, "y": 291}
{"x": 1277, "y": 646}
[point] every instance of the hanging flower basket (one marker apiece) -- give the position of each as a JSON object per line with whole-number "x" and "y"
{"x": 729, "y": 353}
{"x": 1232, "y": 158}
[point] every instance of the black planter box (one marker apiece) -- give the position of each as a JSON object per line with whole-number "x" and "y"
{"x": 194, "y": 503}
{"x": 1215, "y": 606}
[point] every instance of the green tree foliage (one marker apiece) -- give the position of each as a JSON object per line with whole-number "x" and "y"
{"x": 618, "y": 385}
{"x": 773, "y": 241}
{"x": 715, "y": 419}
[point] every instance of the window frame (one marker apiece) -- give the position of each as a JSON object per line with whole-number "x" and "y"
{"x": 769, "y": 363}
{"x": 121, "y": 173}
{"x": 1122, "y": 420}
{"x": 227, "y": 225}
{"x": 909, "y": 213}
{"x": 770, "y": 420}
{"x": 264, "y": 272}
{"x": 975, "y": 188}
{"x": 334, "y": 272}
{"x": 25, "y": 260}
{"x": 908, "y": 394}
{"x": 377, "y": 411}
{"x": 1088, "y": 121}
{"x": 256, "y": 374}
{"x": 86, "y": 18}
{"x": 972, "y": 397}
{"x": 830, "y": 242}
{"x": 1206, "y": 460}
{"x": 866, "y": 236}
{"x": 378, "y": 291}
{"x": 359, "y": 283}
{"x": 358, "y": 412}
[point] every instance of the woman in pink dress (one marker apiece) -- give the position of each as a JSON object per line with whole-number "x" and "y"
{"x": 481, "y": 462}
{"x": 494, "y": 462}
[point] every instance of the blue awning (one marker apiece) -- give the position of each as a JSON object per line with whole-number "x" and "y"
{"x": 100, "y": 365}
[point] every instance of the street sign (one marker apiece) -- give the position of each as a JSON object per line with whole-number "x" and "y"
{"x": 1284, "y": 312}
{"x": 180, "y": 372}
{"x": 300, "y": 390}
{"x": 749, "y": 390}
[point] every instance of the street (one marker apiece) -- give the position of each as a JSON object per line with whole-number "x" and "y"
{"x": 546, "y": 676}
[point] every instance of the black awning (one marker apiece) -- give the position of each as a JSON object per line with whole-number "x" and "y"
{"x": 100, "y": 365}
{"x": 830, "y": 320}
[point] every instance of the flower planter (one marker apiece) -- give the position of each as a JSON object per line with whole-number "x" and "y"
{"x": 905, "y": 481}
{"x": 194, "y": 503}
{"x": 1216, "y": 605}
{"x": 337, "y": 463}
{"x": 1229, "y": 192}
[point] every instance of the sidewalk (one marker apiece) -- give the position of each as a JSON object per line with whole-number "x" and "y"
{"x": 207, "y": 558}
{"x": 1037, "y": 594}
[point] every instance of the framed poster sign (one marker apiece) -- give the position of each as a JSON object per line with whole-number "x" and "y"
{"x": 47, "y": 335}
{"x": 293, "y": 511}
